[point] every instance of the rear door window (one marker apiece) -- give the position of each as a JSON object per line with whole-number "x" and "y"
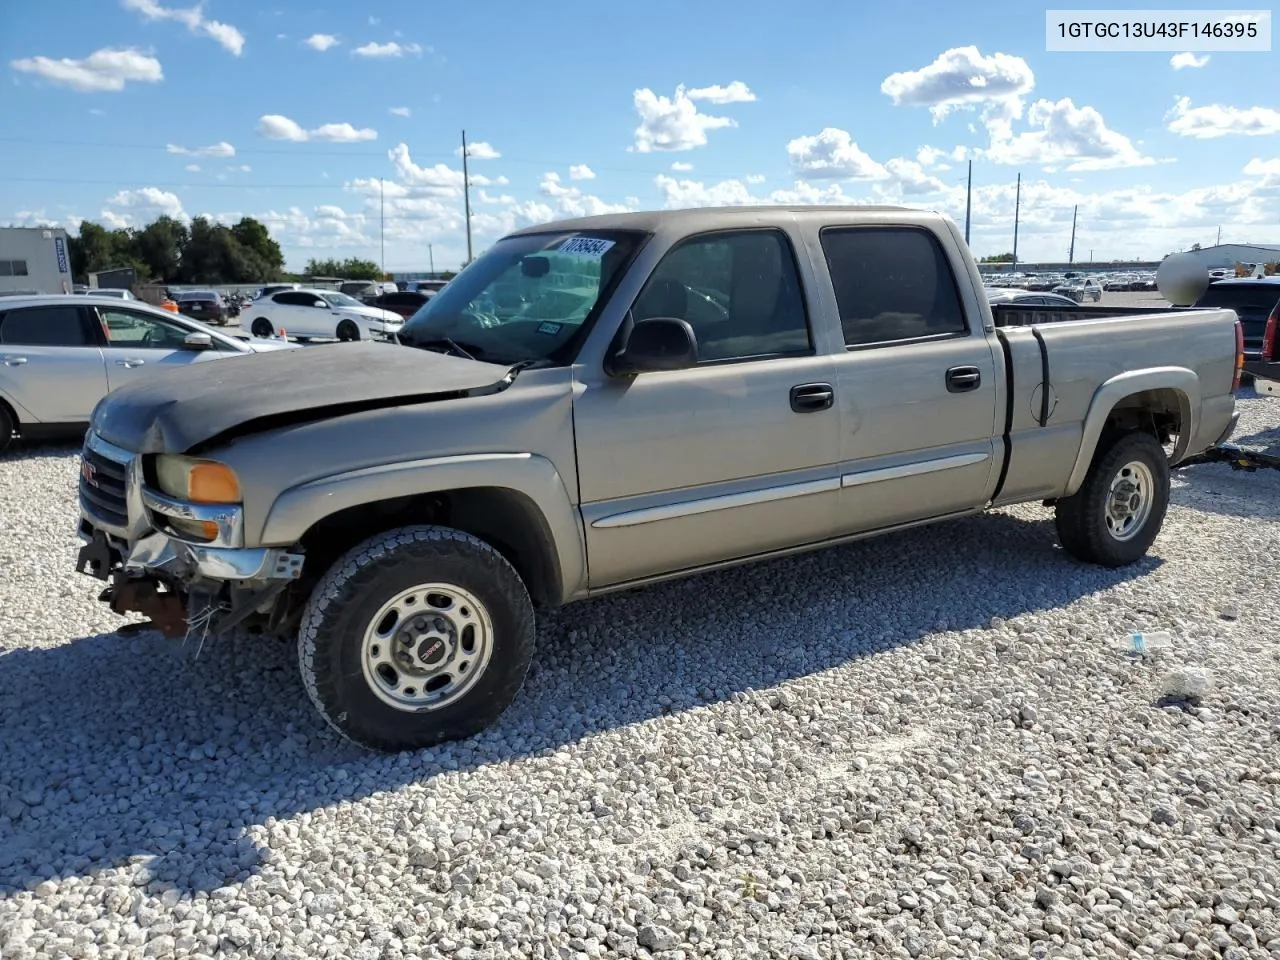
{"x": 891, "y": 284}
{"x": 44, "y": 327}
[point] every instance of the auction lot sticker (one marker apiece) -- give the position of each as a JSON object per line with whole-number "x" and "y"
{"x": 585, "y": 246}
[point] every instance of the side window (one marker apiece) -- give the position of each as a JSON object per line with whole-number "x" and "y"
{"x": 891, "y": 284}
{"x": 739, "y": 290}
{"x": 128, "y": 329}
{"x": 291, "y": 298}
{"x": 44, "y": 327}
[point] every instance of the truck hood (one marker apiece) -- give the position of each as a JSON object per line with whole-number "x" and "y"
{"x": 183, "y": 410}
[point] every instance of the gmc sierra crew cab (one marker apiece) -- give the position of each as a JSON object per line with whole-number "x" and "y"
{"x": 597, "y": 404}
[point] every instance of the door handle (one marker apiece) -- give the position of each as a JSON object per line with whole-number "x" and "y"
{"x": 131, "y": 362}
{"x": 811, "y": 397}
{"x": 14, "y": 361}
{"x": 963, "y": 379}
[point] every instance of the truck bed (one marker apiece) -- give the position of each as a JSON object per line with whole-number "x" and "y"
{"x": 1017, "y": 315}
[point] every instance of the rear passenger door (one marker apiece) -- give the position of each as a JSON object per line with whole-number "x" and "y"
{"x": 50, "y": 362}
{"x": 916, "y": 384}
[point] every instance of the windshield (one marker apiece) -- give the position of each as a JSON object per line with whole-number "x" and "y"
{"x": 340, "y": 300}
{"x": 526, "y": 298}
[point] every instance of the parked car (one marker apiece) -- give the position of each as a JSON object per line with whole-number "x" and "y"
{"x": 307, "y": 314}
{"x": 404, "y": 304}
{"x": 367, "y": 291}
{"x": 119, "y": 293}
{"x": 61, "y": 353}
{"x": 1028, "y": 298}
{"x": 671, "y": 392}
{"x": 1080, "y": 290}
{"x": 205, "y": 305}
{"x": 425, "y": 286}
{"x": 1253, "y": 299}
{"x": 271, "y": 288}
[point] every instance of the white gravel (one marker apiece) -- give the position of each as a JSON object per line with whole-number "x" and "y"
{"x": 923, "y": 746}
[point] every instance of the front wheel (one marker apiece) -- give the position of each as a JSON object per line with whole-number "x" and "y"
{"x": 414, "y": 637}
{"x": 348, "y": 331}
{"x": 1115, "y": 516}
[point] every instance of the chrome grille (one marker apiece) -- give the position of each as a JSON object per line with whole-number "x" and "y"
{"x": 102, "y": 488}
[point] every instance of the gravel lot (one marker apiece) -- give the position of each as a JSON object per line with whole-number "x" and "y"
{"x": 927, "y": 745}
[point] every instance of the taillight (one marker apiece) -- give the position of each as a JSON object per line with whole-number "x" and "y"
{"x": 1269, "y": 335}
{"x": 1235, "y": 380}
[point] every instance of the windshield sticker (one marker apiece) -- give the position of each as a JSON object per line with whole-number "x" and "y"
{"x": 585, "y": 246}
{"x": 549, "y": 327}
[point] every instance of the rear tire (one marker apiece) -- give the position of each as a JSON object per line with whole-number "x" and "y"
{"x": 8, "y": 424}
{"x": 263, "y": 329}
{"x": 1115, "y": 516}
{"x": 414, "y": 637}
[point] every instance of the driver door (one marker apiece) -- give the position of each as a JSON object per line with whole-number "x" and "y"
{"x": 139, "y": 344}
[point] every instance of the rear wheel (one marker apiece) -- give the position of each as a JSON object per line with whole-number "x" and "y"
{"x": 1115, "y": 516}
{"x": 7, "y": 426}
{"x": 414, "y": 637}
{"x": 348, "y": 331}
{"x": 262, "y": 328}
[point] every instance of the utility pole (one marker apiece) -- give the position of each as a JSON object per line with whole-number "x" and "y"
{"x": 431, "y": 256}
{"x": 1017, "y": 207}
{"x": 466, "y": 192}
{"x": 382, "y": 223}
{"x": 1071, "y": 251}
{"x": 968, "y": 204}
{"x": 1219, "y": 241}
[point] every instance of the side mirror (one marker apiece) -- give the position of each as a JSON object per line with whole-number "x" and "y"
{"x": 197, "y": 341}
{"x": 658, "y": 343}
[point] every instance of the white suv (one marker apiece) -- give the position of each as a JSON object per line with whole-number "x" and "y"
{"x": 322, "y": 314}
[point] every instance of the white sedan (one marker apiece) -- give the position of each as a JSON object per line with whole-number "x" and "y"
{"x": 323, "y": 314}
{"x": 61, "y": 353}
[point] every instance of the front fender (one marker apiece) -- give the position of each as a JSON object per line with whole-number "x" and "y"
{"x": 1180, "y": 380}
{"x": 299, "y": 508}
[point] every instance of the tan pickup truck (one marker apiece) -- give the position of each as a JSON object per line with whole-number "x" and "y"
{"x": 597, "y": 404}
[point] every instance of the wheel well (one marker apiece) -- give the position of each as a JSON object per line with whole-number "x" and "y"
{"x": 505, "y": 519}
{"x": 13, "y": 415}
{"x": 1157, "y": 412}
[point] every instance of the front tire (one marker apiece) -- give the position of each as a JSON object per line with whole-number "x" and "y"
{"x": 7, "y": 426}
{"x": 348, "y": 332}
{"x": 1115, "y": 516}
{"x": 414, "y": 637}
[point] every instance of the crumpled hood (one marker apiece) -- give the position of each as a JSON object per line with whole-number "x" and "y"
{"x": 175, "y": 411}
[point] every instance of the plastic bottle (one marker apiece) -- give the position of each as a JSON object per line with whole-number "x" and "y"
{"x": 1144, "y": 643}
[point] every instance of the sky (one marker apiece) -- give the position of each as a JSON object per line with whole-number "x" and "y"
{"x": 340, "y": 127}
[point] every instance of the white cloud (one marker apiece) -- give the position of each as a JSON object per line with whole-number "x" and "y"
{"x": 572, "y": 202}
{"x": 735, "y": 92}
{"x": 936, "y": 158}
{"x": 219, "y": 149}
{"x": 478, "y": 150}
{"x": 911, "y": 177}
{"x": 321, "y": 41}
{"x": 754, "y": 178}
{"x": 960, "y": 78}
{"x": 1184, "y": 61}
{"x": 227, "y": 36}
{"x": 674, "y": 123}
{"x": 273, "y": 126}
{"x": 439, "y": 180}
{"x": 1216, "y": 120}
{"x": 681, "y": 194}
{"x": 580, "y": 171}
{"x": 192, "y": 168}
{"x": 832, "y": 155}
{"x": 106, "y": 70}
{"x": 241, "y": 168}
{"x": 142, "y": 206}
{"x": 1257, "y": 167}
{"x": 681, "y": 167}
{"x": 1076, "y": 138}
{"x": 389, "y": 49}
{"x": 399, "y": 111}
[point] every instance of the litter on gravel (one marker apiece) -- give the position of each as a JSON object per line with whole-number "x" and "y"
{"x": 918, "y": 746}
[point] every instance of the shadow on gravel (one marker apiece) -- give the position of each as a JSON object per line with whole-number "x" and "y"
{"x": 1217, "y": 488}
{"x": 174, "y": 788}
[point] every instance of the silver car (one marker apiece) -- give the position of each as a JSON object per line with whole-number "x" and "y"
{"x": 61, "y": 353}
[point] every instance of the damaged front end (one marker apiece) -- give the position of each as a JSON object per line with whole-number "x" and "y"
{"x": 140, "y": 541}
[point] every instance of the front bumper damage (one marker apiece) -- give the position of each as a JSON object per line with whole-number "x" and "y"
{"x": 181, "y": 586}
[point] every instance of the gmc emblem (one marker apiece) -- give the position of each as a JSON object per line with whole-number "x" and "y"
{"x": 89, "y": 473}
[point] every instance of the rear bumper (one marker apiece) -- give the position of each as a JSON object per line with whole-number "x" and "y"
{"x": 1266, "y": 375}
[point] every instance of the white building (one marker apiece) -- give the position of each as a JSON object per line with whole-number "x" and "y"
{"x": 34, "y": 259}
{"x": 1225, "y": 256}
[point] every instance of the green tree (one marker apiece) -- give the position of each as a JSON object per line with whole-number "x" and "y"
{"x": 353, "y": 268}
{"x": 999, "y": 258}
{"x": 254, "y": 237}
{"x": 160, "y": 245}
